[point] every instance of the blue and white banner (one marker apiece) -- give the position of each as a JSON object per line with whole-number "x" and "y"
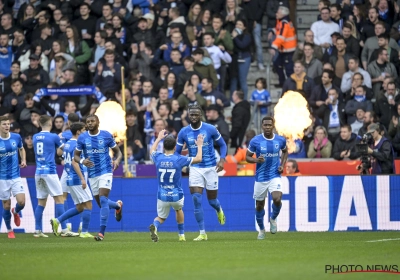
{"x": 322, "y": 203}
{"x": 70, "y": 91}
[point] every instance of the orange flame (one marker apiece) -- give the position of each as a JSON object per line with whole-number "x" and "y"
{"x": 292, "y": 117}
{"x": 112, "y": 119}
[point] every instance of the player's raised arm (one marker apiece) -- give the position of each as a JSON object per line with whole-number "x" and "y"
{"x": 199, "y": 142}
{"x": 22, "y": 154}
{"x": 161, "y": 135}
{"x": 284, "y": 157}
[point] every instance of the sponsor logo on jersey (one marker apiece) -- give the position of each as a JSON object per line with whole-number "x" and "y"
{"x": 270, "y": 155}
{"x": 263, "y": 148}
{"x": 96, "y": 151}
{"x": 9, "y": 154}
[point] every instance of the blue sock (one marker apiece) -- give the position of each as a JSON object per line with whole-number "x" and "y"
{"x": 86, "y": 219}
{"x": 215, "y": 204}
{"x": 39, "y": 217}
{"x": 68, "y": 214}
{"x": 18, "y": 208}
{"x": 181, "y": 228}
{"x": 66, "y": 208}
{"x": 7, "y": 218}
{"x": 104, "y": 212}
{"x": 198, "y": 209}
{"x": 113, "y": 205}
{"x": 260, "y": 218}
{"x": 156, "y": 223}
{"x": 59, "y": 211}
{"x": 275, "y": 211}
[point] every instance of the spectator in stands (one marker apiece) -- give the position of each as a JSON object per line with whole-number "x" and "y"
{"x": 129, "y": 102}
{"x": 299, "y": 151}
{"x": 108, "y": 74}
{"x": 7, "y": 26}
{"x": 232, "y": 13}
{"x": 354, "y": 67}
{"x": 324, "y": 28}
{"x": 292, "y": 168}
{"x": 241, "y": 57}
{"x": 98, "y": 50}
{"x": 58, "y": 125}
{"x": 176, "y": 43}
{"x": 386, "y": 13}
{"x": 340, "y": 59}
{"x": 308, "y": 38}
{"x": 335, "y": 116}
{"x": 177, "y": 118}
{"x": 106, "y": 16}
{"x": 379, "y": 69}
{"x": 70, "y": 107}
{"x": 175, "y": 19}
{"x": 321, "y": 146}
{"x": 345, "y": 145}
{"x": 213, "y": 96}
{"x": 16, "y": 99}
{"x": 359, "y": 19}
{"x": 6, "y": 56}
{"x": 36, "y": 49}
{"x": 241, "y": 114}
{"x": 319, "y": 96}
{"x": 381, "y": 152}
{"x": 385, "y": 106}
{"x": 284, "y": 44}
{"x": 383, "y": 42}
{"x": 171, "y": 83}
{"x": 312, "y": 65}
{"x": 86, "y": 24}
{"x": 19, "y": 44}
{"x": 372, "y": 44}
{"x": 32, "y": 127}
{"x": 186, "y": 74}
{"x": 368, "y": 28}
{"x": 262, "y": 98}
{"x": 214, "y": 118}
{"x": 189, "y": 97}
{"x": 15, "y": 74}
{"x": 359, "y": 101}
{"x": 359, "y": 121}
{"x": 132, "y": 130}
{"x": 394, "y": 127}
{"x": 331, "y": 50}
{"x": 61, "y": 61}
{"x": 299, "y": 81}
{"x": 141, "y": 59}
{"x": 327, "y": 66}
{"x": 29, "y": 151}
{"x": 336, "y": 15}
{"x": 203, "y": 66}
{"x": 369, "y": 117}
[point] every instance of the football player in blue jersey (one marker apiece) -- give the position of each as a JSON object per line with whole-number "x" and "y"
{"x": 270, "y": 164}
{"x": 10, "y": 178}
{"x": 169, "y": 168}
{"x": 46, "y": 178}
{"x": 95, "y": 145}
{"x": 65, "y": 136}
{"x": 77, "y": 185}
{"x": 204, "y": 174}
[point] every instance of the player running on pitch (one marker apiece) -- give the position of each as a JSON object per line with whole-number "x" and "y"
{"x": 169, "y": 175}
{"x": 46, "y": 178}
{"x": 204, "y": 174}
{"x": 10, "y": 178}
{"x": 77, "y": 185}
{"x": 95, "y": 145}
{"x": 270, "y": 165}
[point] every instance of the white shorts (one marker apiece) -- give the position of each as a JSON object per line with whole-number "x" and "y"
{"x": 63, "y": 181}
{"x": 80, "y": 195}
{"x": 8, "y": 187}
{"x": 47, "y": 184}
{"x": 203, "y": 177}
{"x": 164, "y": 207}
{"x": 101, "y": 182}
{"x": 261, "y": 189}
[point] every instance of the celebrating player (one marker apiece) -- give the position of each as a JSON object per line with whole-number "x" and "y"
{"x": 77, "y": 185}
{"x": 170, "y": 193}
{"x": 10, "y": 178}
{"x": 204, "y": 174}
{"x": 65, "y": 136}
{"x": 267, "y": 146}
{"x": 46, "y": 178}
{"x": 95, "y": 145}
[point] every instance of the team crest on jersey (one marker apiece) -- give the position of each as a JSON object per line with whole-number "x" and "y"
{"x": 101, "y": 142}
{"x": 276, "y": 146}
{"x": 14, "y": 144}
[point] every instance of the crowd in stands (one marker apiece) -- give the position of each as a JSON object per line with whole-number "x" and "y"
{"x": 174, "y": 53}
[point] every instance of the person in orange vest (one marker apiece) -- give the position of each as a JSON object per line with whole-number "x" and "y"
{"x": 284, "y": 44}
{"x": 239, "y": 157}
{"x": 292, "y": 168}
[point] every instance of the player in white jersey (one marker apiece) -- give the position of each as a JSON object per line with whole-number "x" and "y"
{"x": 170, "y": 192}
{"x": 10, "y": 178}
{"x": 270, "y": 165}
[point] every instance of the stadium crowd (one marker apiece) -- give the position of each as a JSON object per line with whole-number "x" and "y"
{"x": 177, "y": 53}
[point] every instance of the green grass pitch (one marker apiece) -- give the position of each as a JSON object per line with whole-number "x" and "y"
{"x": 226, "y": 255}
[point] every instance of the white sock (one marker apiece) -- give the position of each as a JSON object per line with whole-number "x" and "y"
{"x": 202, "y": 231}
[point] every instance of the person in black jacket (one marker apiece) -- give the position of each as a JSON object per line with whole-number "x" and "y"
{"x": 86, "y": 24}
{"x": 381, "y": 151}
{"x": 335, "y": 116}
{"x": 345, "y": 145}
{"x": 352, "y": 44}
{"x": 299, "y": 75}
{"x": 241, "y": 114}
{"x": 214, "y": 118}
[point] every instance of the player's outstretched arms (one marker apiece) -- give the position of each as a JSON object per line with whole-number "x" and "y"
{"x": 199, "y": 142}
{"x": 250, "y": 159}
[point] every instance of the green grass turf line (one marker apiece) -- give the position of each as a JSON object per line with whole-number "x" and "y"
{"x": 236, "y": 255}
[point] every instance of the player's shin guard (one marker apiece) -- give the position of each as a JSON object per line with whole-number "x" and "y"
{"x": 215, "y": 204}
{"x": 113, "y": 205}
{"x": 181, "y": 228}
{"x": 59, "y": 212}
{"x": 18, "y": 208}
{"x": 39, "y": 217}
{"x": 260, "y": 218}
{"x": 66, "y": 215}
{"x": 86, "y": 214}
{"x": 198, "y": 209}
{"x": 7, "y": 218}
{"x": 275, "y": 210}
{"x": 104, "y": 212}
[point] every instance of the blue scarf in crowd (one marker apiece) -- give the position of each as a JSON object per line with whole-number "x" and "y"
{"x": 70, "y": 91}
